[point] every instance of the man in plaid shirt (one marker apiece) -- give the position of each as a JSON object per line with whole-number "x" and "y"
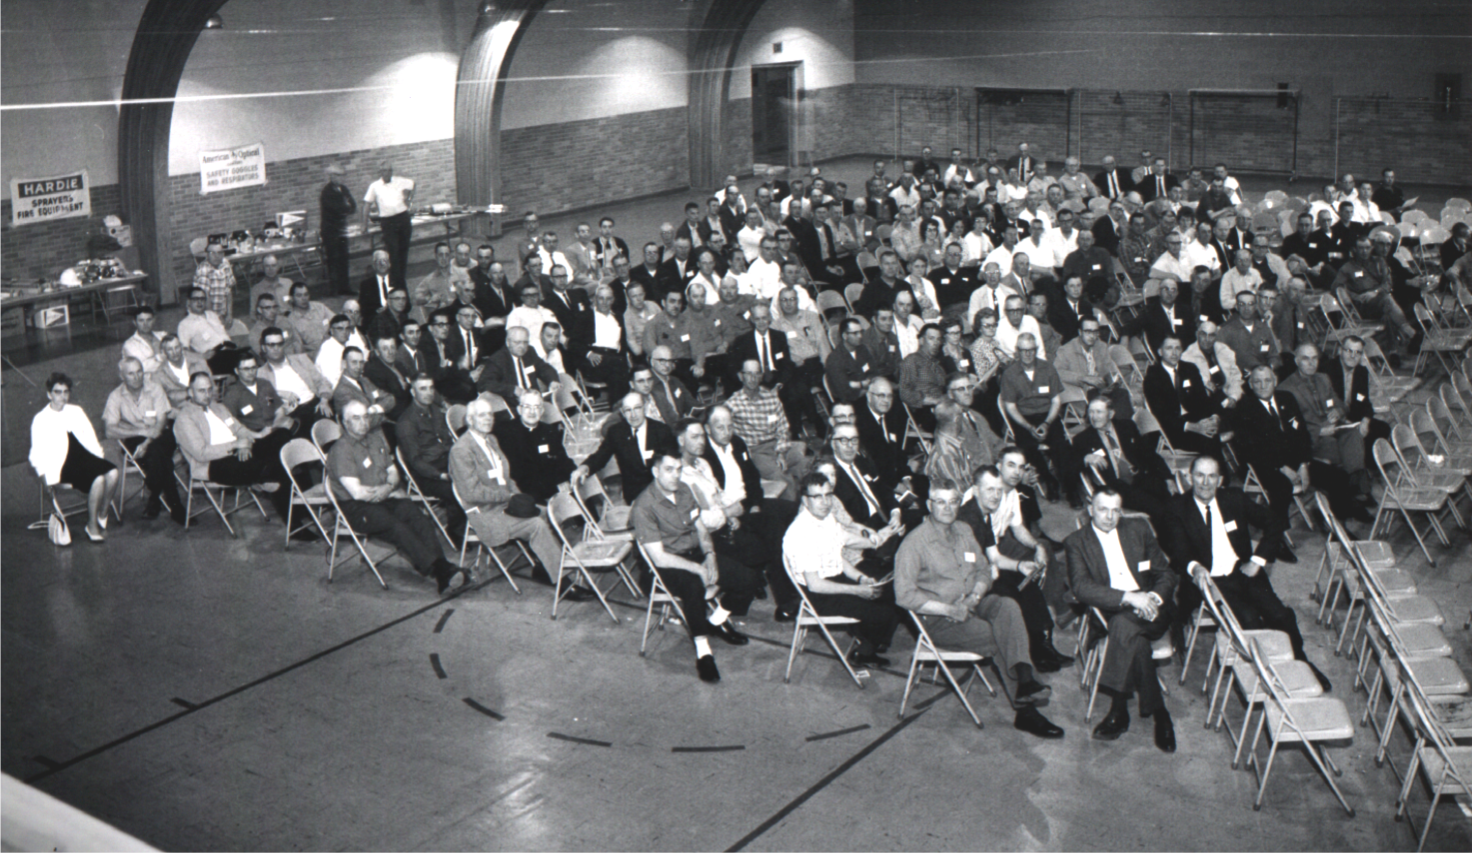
{"x": 761, "y": 422}
{"x": 217, "y": 277}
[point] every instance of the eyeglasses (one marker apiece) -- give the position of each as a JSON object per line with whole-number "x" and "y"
{"x": 846, "y": 440}
{"x": 662, "y": 361}
{"x": 272, "y": 343}
{"x": 440, "y": 323}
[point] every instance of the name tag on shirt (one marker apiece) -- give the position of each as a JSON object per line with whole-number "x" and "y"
{"x": 964, "y": 364}
{"x": 685, "y": 337}
{"x": 771, "y": 418}
{"x": 891, "y": 348}
{"x": 1215, "y": 370}
{"x": 542, "y": 449}
{"x": 1200, "y": 317}
{"x": 229, "y": 421}
{"x": 864, "y": 367}
{"x": 247, "y": 409}
{"x": 776, "y": 356}
{"x": 1300, "y": 324}
{"x": 1185, "y": 383}
{"x": 717, "y": 323}
{"x": 970, "y": 557}
{"x": 1230, "y": 526}
{"x": 1042, "y": 389}
{"x": 151, "y": 413}
{"x": 1144, "y": 566}
{"x": 695, "y": 513}
{"x": 1329, "y": 403}
{"x": 1359, "y": 397}
{"x": 367, "y": 462}
{"x": 1265, "y": 348}
{"x": 1359, "y": 274}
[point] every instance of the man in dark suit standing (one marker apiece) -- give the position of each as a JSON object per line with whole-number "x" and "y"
{"x": 634, "y": 441}
{"x": 494, "y": 299}
{"x": 1178, "y": 399}
{"x": 1210, "y": 533}
{"x": 1116, "y": 565}
{"x": 1109, "y": 230}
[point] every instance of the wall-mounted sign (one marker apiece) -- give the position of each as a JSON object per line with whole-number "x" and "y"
{"x": 42, "y": 199}
{"x": 233, "y": 167}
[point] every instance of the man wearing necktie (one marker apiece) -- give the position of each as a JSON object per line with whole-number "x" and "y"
{"x": 1335, "y": 440}
{"x": 373, "y": 290}
{"x": 1113, "y": 454}
{"x": 1022, "y": 162}
{"x": 1210, "y": 533}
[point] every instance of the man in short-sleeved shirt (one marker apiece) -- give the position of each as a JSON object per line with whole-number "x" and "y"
{"x": 390, "y": 197}
{"x": 138, "y": 414}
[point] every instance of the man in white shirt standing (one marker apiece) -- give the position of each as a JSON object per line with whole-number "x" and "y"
{"x": 390, "y": 198}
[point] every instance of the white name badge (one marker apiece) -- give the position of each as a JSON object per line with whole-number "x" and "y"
{"x": 891, "y": 348}
{"x": 1359, "y": 274}
{"x": 1201, "y": 317}
{"x": 542, "y": 449}
{"x": 694, "y": 513}
{"x": 1265, "y": 348}
{"x": 648, "y": 452}
{"x": 247, "y": 409}
{"x": 367, "y": 463}
{"x": 718, "y": 322}
{"x": 1215, "y": 370}
{"x": 1042, "y": 389}
{"x": 771, "y": 418}
{"x": 1230, "y": 526}
{"x": 529, "y": 370}
{"x": 1185, "y": 383}
{"x": 1359, "y": 397}
{"x": 864, "y": 367}
{"x": 776, "y": 356}
{"x": 1300, "y": 324}
{"x": 971, "y": 557}
{"x": 229, "y": 421}
{"x": 1329, "y": 403}
{"x": 149, "y": 414}
{"x": 1144, "y": 566}
{"x": 964, "y": 364}
{"x": 684, "y": 337}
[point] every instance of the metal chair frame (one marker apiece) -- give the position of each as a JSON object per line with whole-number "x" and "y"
{"x": 808, "y": 618}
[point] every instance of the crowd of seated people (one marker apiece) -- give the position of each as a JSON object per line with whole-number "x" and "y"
{"x": 961, "y": 372}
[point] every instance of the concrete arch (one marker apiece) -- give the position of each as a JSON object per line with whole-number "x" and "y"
{"x": 711, "y": 60}
{"x": 161, "y": 47}
{"x": 479, "y": 94}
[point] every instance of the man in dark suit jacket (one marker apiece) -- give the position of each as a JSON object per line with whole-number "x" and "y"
{"x": 1109, "y": 230}
{"x": 1165, "y": 315}
{"x": 515, "y": 366}
{"x": 850, "y": 367}
{"x": 881, "y": 427}
{"x": 633, "y": 440}
{"x": 1273, "y": 438}
{"x": 676, "y": 270}
{"x": 373, "y": 290}
{"x": 1113, "y": 182}
{"x": 1158, "y": 183}
{"x": 807, "y": 245}
{"x": 251, "y": 399}
{"x": 418, "y": 353}
{"x": 574, "y": 312}
{"x": 1238, "y": 570}
{"x": 539, "y": 462}
{"x": 1356, "y": 396}
{"x": 1185, "y": 410}
{"x": 493, "y": 298}
{"x": 382, "y": 372}
{"x": 465, "y": 346}
{"x": 1069, "y": 308}
{"x": 1136, "y": 596}
{"x": 1115, "y": 456}
{"x": 860, "y": 487}
{"x": 648, "y": 275}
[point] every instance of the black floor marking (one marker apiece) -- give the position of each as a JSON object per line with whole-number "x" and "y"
{"x": 180, "y": 701}
{"x": 439, "y": 669}
{"x": 837, "y": 733}
{"x": 490, "y": 713}
{"x": 81, "y": 757}
{"x": 714, "y": 749}
{"x": 47, "y": 761}
{"x": 576, "y": 740}
{"x": 444, "y": 618}
{"x": 824, "y": 783}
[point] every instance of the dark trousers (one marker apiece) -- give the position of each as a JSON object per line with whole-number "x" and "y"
{"x": 1128, "y": 667}
{"x": 751, "y": 548}
{"x": 454, "y": 514}
{"x": 456, "y": 386}
{"x": 397, "y": 230}
{"x": 263, "y": 466}
{"x": 985, "y": 402}
{"x": 797, "y": 396}
{"x": 612, "y": 370}
{"x": 1257, "y": 606}
{"x": 1058, "y": 450}
{"x": 877, "y": 617}
{"x": 306, "y": 415}
{"x": 1030, "y": 599}
{"x": 738, "y": 581}
{"x": 158, "y": 467}
{"x": 1336, "y": 485}
{"x": 335, "y": 256}
{"x": 401, "y": 522}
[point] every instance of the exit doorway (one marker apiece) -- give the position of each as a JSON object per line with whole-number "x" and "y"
{"x": 776, "y": 93}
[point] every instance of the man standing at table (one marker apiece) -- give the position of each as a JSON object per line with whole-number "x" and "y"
{"x": 337, "y": 205}
{"x": 216, "y": 278}
{"x": 390, "y": 198}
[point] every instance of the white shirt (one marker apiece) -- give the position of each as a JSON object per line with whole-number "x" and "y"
{"x": 1062, "y": 246}
{"x": 975, "y": 247}
{"x": 908, "y": 334}
{"x": 1234, "y": 283}
{"x": 49, "y": 444}
{"x": 813, "y": 545}
{"x": 1007, "y": 334}
{"x": 220, "y": 432}
{"x": 495, "y": 472}
{"x": 734, "y": 492}
{"x": 607, "y": 332}
{"x": 1200, "y": 255}
{"x": 1223, "y": 557}
{"x": 150, "y": 353}
{"x": 1119, "y": 568}
{"x": 1002, "y": 257}
{"x": 702, "y": 482}
{"x": 390, "y": 197}
{"x": 1040, "y": 254}
{"x": 530, "y": 319}
{"x": 1007, "y": 514}
{"x": 985, "y": 297}
{"x": 202, "y": 332}
{"x": 329, "y": 359}
{"x": 288, "y": 381}
{"x": 765, "y": 278}
{"x": 750, "y": 241}
{"x": 1168, "y": 266}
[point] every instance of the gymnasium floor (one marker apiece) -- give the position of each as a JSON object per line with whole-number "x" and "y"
{"x": 206, "y": 693}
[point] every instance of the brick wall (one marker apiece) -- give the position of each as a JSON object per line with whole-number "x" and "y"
{"x": 297, "y": 185}
{"x": 1414, "y": 138}
{"x": 41, "y": 249}
{"x": 573, "y": 165}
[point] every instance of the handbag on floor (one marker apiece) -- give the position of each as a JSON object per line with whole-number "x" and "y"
{"x": 57, "y": 530}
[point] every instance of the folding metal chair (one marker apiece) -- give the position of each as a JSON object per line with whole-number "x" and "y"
{"x": 1299, "y": 678}
{"x": 1252, "y": 485}
{"x": 313, "y": 499}
{"x": 833, "y": 301}
{"x": 49, "y": 502}
{"x": 190, "y": 484}
{"x": 587, "y": 555}
{"x": 1287, "y": 720}
{"x": 1455, "y": 432}
{"x": 1390, "y": 387}
{"x": 325, "y": 431}
{"x": 1412, "y": 616}
{"x": 1420, "y": 470}
{"x": 429, "y": 502}
{"x": 341, "y": 526}
{"x": 660, "y": 596}
{"x": 912, "y": 430}
{"x": 130, "y": 465}
{"x": 1342, "y": 556}
{"x": 1446, "y": 765}
{"x": 809, "y": 618}
{"x": 928, "y": 654}
{"x": 1405, "y": 500}
{"x": 473, "y": 539}
{"x": 851, "y": 294}
{"x": 455, "y": 419}
{"x": 1448, "y": 345}
{"x": 1434, "y": 445}
{"x": 613, "y": 522}
{"x": 1437, "y": 675}
{"x": 1337, "y": 322}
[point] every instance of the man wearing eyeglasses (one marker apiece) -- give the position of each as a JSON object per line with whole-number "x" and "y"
{"x": 1031, "y": 398}
{"x": 202, "y": 331}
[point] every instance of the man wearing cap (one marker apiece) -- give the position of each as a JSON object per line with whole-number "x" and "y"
{"x": 337, "y": 204}
{"x": 390, "y": 198}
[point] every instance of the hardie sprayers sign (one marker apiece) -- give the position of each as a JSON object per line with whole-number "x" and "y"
{"x": 41, "y": 199}
{"x": 233, "y": 167}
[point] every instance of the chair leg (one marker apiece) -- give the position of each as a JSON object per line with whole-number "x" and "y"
{"x": 909, "y": 683}
{"x": 1321, "y": 760}
{"x": 597, "y": 591}
{"x": 798, "y": 636}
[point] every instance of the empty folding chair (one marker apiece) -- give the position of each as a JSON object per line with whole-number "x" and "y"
{"x": 1436, "y": 675}
{"x": 1446, "y": 765}
{"x": 455, "y": 418}
{"x": 587, "y": 556}
{"x": 1415, "y": 619}
{"x": 313, "y": 500}
{"x": 1419, "y": 470}
{"x": 833, "y": 306}
{"x": 1449, "y": 346}
{"x": 1435, "y": 446}
{"x": 612, "y": 519}
{"x": 928, "y": 654}
{"x": 1455, "y": 432}
{"x": 1342, "y": 556}
{"x": 808, "y": 618}
{"x": 1229, "y": 645}
{"x": 1404, "y": 499}
{"x": 912, "y": 430}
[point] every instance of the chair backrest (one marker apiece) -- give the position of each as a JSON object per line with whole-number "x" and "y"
{"x": 1408, "y": 447}
{"x": 1270, "y": 682}
{"x": 1388, "y": 463}
{"x": 832, "y": 301}
{"x": 1347, "y": 306}
{"x": 458, "y": 498}
{"x": 324, "y": 433}
{"x": 1462, "y": 384}
{"x": 852, "y": 292}
{"x": 1222, "y": 612}
{"x": 658, "y": 585}
{"x": 455, "y": 418}
{"x": 1427, "y": 432}
{"x": 1441, "y": 414}
{"x": 409, "y": 480}
{"x": 802, "y": 591}
{"x": 298, "y": 452}
{"x": 560, "y": 508}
